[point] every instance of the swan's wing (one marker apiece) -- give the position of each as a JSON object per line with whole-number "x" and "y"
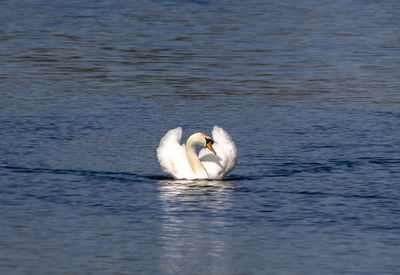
{"x": 218, "y": 166}
{"x": 172, "y": 155}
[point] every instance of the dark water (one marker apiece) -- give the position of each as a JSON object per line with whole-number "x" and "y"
{"x": 308, "y": 90}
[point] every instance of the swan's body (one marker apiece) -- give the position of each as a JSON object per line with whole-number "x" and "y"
{"x": 182, "y": 162}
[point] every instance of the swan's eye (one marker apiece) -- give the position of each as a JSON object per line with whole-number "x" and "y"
{"x": 208, "y": 140}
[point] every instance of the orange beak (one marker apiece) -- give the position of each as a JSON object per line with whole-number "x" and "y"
{"x": 209, "y": 146}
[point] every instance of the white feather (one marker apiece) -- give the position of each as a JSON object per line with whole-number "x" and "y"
{"x": 219, "y": 165}
{"x": 173, "y": 160}
{"x": 172, "y": 155}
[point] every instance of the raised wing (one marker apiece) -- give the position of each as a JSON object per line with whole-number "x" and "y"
{"x": 218, "y": 166}
{"x": 172, "y": 155}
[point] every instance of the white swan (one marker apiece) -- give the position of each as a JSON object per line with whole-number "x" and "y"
{"x": 182, "y": 162}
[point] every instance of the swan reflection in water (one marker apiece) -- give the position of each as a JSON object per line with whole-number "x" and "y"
{"x": 195, "y": 224}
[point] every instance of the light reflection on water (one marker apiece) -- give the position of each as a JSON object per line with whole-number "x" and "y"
{"x": 194, "y": 223}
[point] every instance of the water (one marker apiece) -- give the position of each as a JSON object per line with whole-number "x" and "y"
{"x": 309, "y": 91}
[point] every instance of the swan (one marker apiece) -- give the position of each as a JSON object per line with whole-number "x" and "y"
{"x": 215, "y": 161}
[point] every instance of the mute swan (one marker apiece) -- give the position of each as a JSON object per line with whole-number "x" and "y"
{"x": 182, "y": 162}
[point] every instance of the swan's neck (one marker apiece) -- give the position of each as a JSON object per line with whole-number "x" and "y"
{"x": 194, "y": 162}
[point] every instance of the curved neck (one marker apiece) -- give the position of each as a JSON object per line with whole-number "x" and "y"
{"x": 194, "y": 162}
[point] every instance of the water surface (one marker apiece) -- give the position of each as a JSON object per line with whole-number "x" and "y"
{"x": 308, "y": 91}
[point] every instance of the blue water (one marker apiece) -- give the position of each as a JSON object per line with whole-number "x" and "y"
{"x": 308, "y": 90}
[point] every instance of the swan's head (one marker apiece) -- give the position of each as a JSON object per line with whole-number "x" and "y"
{"x": 209, "y": 143}
{"x": 203, "y": 140}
